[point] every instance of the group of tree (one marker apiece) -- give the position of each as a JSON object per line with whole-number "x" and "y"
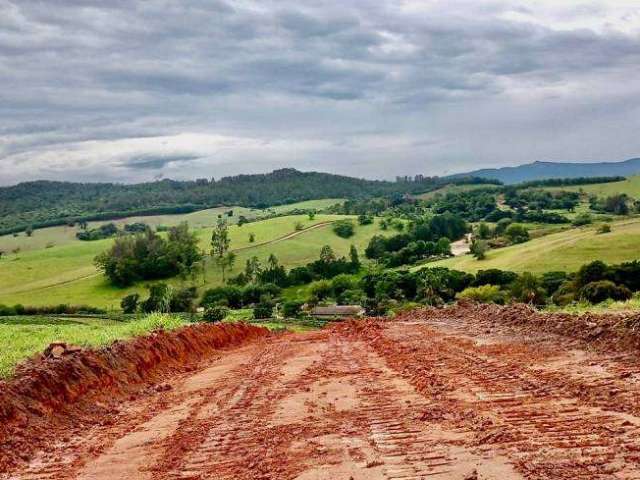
{"x": 425, "y": 238}
{"x": 149, "y": 256}
{"x": 328, "y": 265}
{"x": 109, "y": 230}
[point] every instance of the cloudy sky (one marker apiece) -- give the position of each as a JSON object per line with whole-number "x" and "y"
{"x": 125, "y": 90}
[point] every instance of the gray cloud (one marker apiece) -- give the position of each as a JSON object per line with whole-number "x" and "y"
{"x": 127, "y": 90}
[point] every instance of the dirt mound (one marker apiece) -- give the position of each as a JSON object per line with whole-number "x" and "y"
{"x": 616, "y": 330}
{"x": 65, "y": 383}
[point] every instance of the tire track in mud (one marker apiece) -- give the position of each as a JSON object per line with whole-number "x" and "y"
{"x": 376, "y": 401}
{"x": 539, "y": 420}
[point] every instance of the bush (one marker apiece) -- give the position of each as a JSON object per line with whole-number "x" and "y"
{"x": 483, "y": 294}
{"x": 321, "y": 289}
{"x": 596, "y": 292}
{"x": 291, "y": 309}
{"x": 592, "y": 272}
{"x": 517, "y": 233}
{"x": 159, "y": 299}
{"x": 344, "y": 228}
{"x": 479, "y": 249}
{"x": 183, "y": 299}
{"x": 215, "y": 314}
{"x": 129, "y": 304}
{"x": 528, "y": 289}
{"x": 551, "y": 281}
{"x": 254, "y": 293}
{"x": 263, "y": 310}
{"x": 604, "y": 228}
{"x": 6, "y": 311}
{"x": 365, "y": 219}
{"x": 300, "y": 276}
{"x": 231, "y": 296}
{"x": 582, "y": 219}
{"x": 494, "y": 276}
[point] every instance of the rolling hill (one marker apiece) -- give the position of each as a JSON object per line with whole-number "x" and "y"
{"x": 545, "y": 170}
{"x": 566, "y": 251}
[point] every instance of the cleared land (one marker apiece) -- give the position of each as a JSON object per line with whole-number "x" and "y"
{"x": 435, "y": 396}
{"x": 566, "y": 251}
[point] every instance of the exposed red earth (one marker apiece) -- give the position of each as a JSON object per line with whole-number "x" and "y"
{"x": 469, "y": 392}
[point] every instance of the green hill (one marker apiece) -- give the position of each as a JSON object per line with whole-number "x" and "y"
{"x": 630, "y": 186}
{"x": 66, "y": 274}
{"x": 566, "y": 251}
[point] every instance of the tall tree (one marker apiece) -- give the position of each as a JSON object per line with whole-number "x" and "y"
{"x": 220, "y": 243}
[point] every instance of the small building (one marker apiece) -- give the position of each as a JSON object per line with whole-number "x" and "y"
{"x": 333, "y": 312}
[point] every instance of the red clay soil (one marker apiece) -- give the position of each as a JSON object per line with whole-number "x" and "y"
{"x": 55, "y": 392}
{"x": 463, "y": 393}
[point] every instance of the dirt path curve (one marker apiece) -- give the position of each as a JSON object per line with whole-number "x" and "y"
{"x": 288, "y": 236}
{"x": 395, "y": 400}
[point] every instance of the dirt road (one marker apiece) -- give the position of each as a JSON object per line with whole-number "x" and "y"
{"x": 413, "y": 399}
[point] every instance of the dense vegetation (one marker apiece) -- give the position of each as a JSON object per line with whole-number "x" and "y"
{"x": 148, "y": 256}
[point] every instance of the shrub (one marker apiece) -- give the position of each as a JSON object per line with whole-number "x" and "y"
{"x": 592, "y": 272}
{"x": 300, "y": 276}
{"x": 517, "y": 233}
{"x": 263, "y": 310}
{"x": 159, "y": 299}
{"x": 253, "y": 293}
{"x": 494, "y": 276}
{"x": 229, "y": 295}
{"x": 604, "y": 228}
{"x": 365, "y": 219}
{"x": 483, "y": 294}
{"x": 291, "y": 309}
{"x": 551, "y": 281}
{"x": 321, "y": 289}
{"x": 215, "y": 314}
{"x": 527, "y": 289}
{"x": 342, "y": 283}
{"x": 183, "y": 299}
{"x": 129, "y": 304}
{"x": 596, "y": 292}
{"x": 299, "y": 226}
{"x": 6, "y": 311}
{"x": 344, "y": 228}
{"x": 582, "y": 219}
{"x": 479, "y": 249}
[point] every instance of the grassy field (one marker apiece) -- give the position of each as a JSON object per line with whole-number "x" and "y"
{"x": 630, "y": 186}
{"x": 66, "y": 274}
{"x": 567, "y": 250}
{"x": 21, "y": 337}
{"x": 65, "y": 235}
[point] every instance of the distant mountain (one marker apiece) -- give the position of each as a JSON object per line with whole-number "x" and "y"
{"x": 544, "y": 170}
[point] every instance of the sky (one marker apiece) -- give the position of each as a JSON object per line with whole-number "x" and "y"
{"x": 130, "y": 91}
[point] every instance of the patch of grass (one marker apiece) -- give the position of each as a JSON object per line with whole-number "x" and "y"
{"x": 632, "y": 305}
{"x": 317, "y": 205}
{"x": 567, "y": 250}
{"x": 22, "y": 337}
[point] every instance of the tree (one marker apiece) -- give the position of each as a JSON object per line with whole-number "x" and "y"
{"x": 252, "y": 237}
{"x": 344, "y": 228}
{"x": 220, "y": 243}
{"x": 29, "y": 231}
{"x": 479, "y": 249}
{"x": 252, "y": 269}
{"x": 354, "y": 257}
{"x": 312, "y": 214}
{"x": 327, "y": 255}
